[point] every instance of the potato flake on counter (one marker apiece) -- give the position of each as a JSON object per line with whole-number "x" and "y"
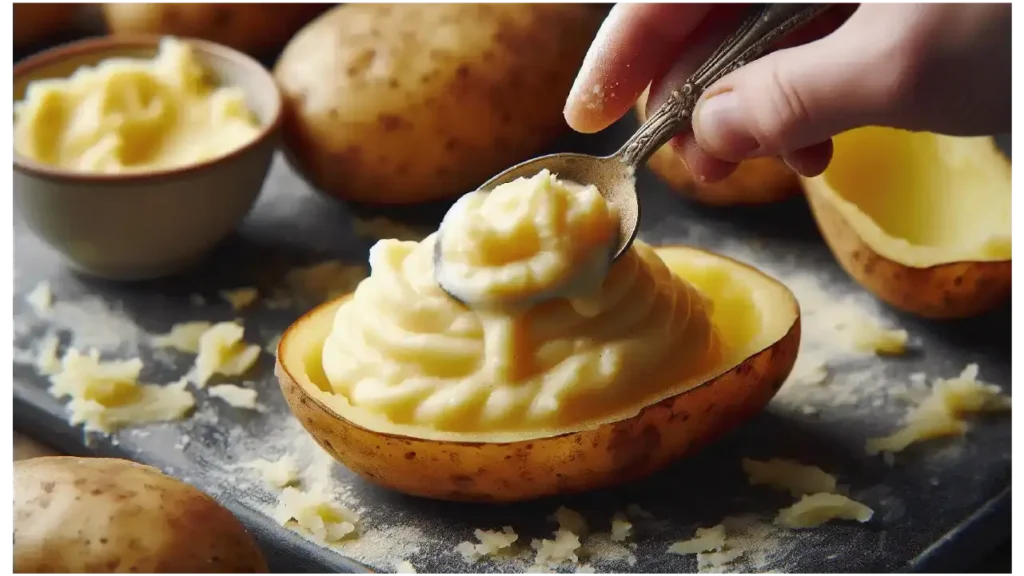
{"x": 558, "y": 550}
{"x": 317, "y": 514}
{"x": 235, "y": 396}
{"x": 223, "y": 351}
{"x": 816, "y": 509}
{"x": 404, "y": 567}
{"x": 585, "y": 569}
{"x": 383, "y": 228}
{"x": 942, "y": 412}
{"x": 106, "y": 396}
{"x": 324, "y": 281}
{"x": 868, "y": 336}
{"x": 41, "y": 298}
{"x": 279, "y": 474}
{"x": 622, "y": 528}
{"x": 571, "y": 520}
{"x": 47, "y": 361}
{"x": 240, "y": 298}
{"x": 704, "y": 540}
{"x": 796, "y": 478}
{"x": 184, "y": 336}
{"x": 711, "y": 548}
{"x": 489, "y": 543}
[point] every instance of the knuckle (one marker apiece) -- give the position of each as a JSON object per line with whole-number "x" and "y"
{"x": 782, "y": 113}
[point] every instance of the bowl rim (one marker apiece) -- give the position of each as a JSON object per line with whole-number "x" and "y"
{"x": 246, "y": 63}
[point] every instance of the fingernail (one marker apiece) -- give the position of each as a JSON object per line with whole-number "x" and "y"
{"x": 720, "y": 128}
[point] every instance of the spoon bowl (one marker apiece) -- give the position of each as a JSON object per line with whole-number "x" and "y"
{"x": 615, "y": 175}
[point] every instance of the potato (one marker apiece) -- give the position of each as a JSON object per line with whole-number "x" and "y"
{"x": 403, "y": 103}
{"x": 35, "y": 22}
{"x": 757, "y": 181}
{"x": 920, "y": 220}
{"x": 257, "y": 29}
{"x": 757, "y": 318}
{"x": 109, "y": 515}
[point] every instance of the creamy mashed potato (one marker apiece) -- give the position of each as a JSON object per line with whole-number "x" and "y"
{"x": 403, "y": 350}
{"x": 527, "y": 239}
{"x": 127, "y": 115}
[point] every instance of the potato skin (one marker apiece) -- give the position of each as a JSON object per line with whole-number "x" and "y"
{"x": 253, "y": 28}
{"x": 756, "y": 181}
{"x": 404, "y": 103}
{"x": 34, "y": 22}
{"x": 944, "y": 291}
{"x": 109, "y": 515}
{"x": 605, "y": 456}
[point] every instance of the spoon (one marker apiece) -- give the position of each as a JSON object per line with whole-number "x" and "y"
{"x": 614, "y": 175}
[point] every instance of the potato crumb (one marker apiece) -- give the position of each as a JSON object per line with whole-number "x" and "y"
{"x": 716, "y": 561}
{"x": 324, "y": 281}
{"x": 622, "y": 528}
{"x": 184, "y": 336}
{"x": 562, "y": 548}
{"x": 223, "y": 351}
{"x": 47, "y": 361}
{"x": 796, "y": 478}
{"x": 404, "y": 567}
{"x": 235, "y": 396}
{"x": 491, "y": 542}
{"x": 106, "y": 396}
{"x": 941, "y": 413}
{"x": 571, "y": 520}
{"x": 41, "y": 298}
{"x": 280, "y": 473}
{"x": 867, "y": 335}
{"x": 317, "y": 514}
{"x": 240, "y": 298}
{"x": 585, "y": 569}
{"x": 816, "y": 509}
{"x": 705, "y": 540}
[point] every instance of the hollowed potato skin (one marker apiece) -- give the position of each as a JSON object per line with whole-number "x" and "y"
{"x": 611, "y": 454}
{"x": 944, "y": 291}
{"x": 755, "y": 181}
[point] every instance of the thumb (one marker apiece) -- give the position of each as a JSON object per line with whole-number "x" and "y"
{"x": 794, "y": 98}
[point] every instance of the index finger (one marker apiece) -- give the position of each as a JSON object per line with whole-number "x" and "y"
{"x": 636, "y": 43}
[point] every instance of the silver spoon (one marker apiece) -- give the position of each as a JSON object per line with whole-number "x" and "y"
{"x": 614, "y": 175}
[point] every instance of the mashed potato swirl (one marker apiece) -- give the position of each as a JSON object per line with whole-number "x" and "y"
{"x": 404, "y": 350}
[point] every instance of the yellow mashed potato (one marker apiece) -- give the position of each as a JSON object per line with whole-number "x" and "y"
{"x": 127, "y": 115}
{"x": 402, "y": 350}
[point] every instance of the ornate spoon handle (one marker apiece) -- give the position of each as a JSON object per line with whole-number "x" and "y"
{"x": 766, "y": 24}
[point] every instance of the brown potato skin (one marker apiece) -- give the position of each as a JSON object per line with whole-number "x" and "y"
{"x": 407, "y": 103}
{"x": 941, "y": 292}
{"x": 109, "y": 515}
{"x": 609, "y": 455}
{"x": 35, "y": 22}
{"x": 257, "y": 29}
{"x": 756, "y": 181}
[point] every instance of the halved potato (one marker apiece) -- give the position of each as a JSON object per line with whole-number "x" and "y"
{"x": 919, "y": 219}
{"x": 759, "y": 323}
{"x": 757, "y": 181}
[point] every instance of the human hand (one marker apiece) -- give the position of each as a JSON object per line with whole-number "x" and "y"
{"x": 936, "y": 67}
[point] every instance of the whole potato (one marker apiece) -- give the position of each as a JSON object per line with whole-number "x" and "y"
{"x": 108, "y": 515}
{"x": 412, "y": 102}
{"x": 34, "y": 22}
{"x": 253, "y": 28}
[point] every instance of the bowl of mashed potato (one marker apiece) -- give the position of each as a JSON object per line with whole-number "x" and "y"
{"x": 133, "y": 157}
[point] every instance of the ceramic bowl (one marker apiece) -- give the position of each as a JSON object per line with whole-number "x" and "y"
{"x": 144, "y": 225}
